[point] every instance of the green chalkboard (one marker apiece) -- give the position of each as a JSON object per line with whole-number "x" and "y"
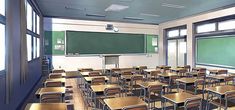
{"x": 54, "y": 42}
{"x": 151, "y": 43}
{"x": 216, "y": 50}
{"x": 104, "y": 43}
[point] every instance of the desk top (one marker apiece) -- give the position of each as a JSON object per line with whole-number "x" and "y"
{"x": 163, "y": 66}
{"x": 128, "y": 77}
{"x": 50, "y": 89}
{"x": 86, "y": 73}
{"x": 178, "y": 97}
{"x": 147, "y": 84}
{"x": 187, "y": 80}
{"x": 176, "y": 69}
{"x": 197, "y": 68}
{"x": 120, "y": 102}
{"x": 220, "y": 76}
{"x": 150, "y": 70}
{"x": 167, "y": 74}
{"x": 100, "y": 88}
{"x": 46, "y": 106}
{"x": 221, "y": 89}
{"x": 63, "y": 80}
{"x": 90, "y": 78}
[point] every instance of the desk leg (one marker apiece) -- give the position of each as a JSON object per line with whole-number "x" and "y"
{"x": 185, "y": 87}
{"x": 175, "y": 106}
{"x": 207, "y": 101}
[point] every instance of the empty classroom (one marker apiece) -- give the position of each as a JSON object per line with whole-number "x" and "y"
{"x": 117, "y": 54}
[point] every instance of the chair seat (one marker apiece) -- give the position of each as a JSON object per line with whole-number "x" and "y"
{"x": 152, "y": 98}
{"x": 159, "y": 106}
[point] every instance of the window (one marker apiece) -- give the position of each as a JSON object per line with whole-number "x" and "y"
{"x": 183, "y": 32}
{"x": 38, "y": 25}
{"x": 2, "y": 7}
{"x": 226, "y": 25}
{"x": 29, "y": 47}
{"x": 38, "y": 47}
{"x": 173, "y": 33}
{"x": 33, "y": 29}
{"x": 206, "y": 28}
{"x": 29, "y": 17}
{"x": 2, "y": 35}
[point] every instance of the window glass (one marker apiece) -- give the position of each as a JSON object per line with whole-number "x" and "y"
{"x": 38, "y": 24}
{"x": 38, "y": 47}
{"x": 34, "y": 22}
{"x": 206, "y": 28}
{"x": 29, "y": 47}
{"x": 226, "y": 25}
{"x": 34, "y": 47}
{"x": 2, "y": 7}
{"x": 29, "y": 17}
{"x": 173, "y": 33}
{"x": 2, "y": 47}
{"x": 183, "y": 32}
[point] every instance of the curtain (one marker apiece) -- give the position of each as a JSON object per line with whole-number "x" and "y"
{"x": 23, "y": 42}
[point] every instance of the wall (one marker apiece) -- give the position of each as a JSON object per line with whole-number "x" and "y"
{"x": 190, "y": 37}
{"x": 19, "y": 91}
{"x": 72, "y": 63}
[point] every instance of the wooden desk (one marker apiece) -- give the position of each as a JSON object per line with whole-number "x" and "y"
{"x": 213, "y": 71}
{"x": 49, "y": 89}
{"x": 177, "y": 99}
{"x": 167, "y": 75}
{"x": 100, "y": 88}
{"x": 88, "y": 79}
{"x": 86, "y": 74}
{"x": 192, "y": 73}
{"x": 164, "y": 67}
{"x": 219, "y": 91}
{"x": 128, "y": 77}
{"x": 197, "y": 69}
{"x": 176, "y": 69}
{"x": 120, "y": 102}
{"x": 46, "y": 106}
{"x": 150, "y": 70}
{"x": 186, "y": 82}
{"x": 72, "y": 74}
{"x": 220, "y": 77}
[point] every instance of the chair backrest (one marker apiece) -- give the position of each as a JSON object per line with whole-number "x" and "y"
{"x": 137, "y": 78}
{"x": 112, "y": 91}
{"x": 98, "y": 81}
{"x": 187, "y": 67}
{"x": 126, "y": 73}
{"x": 230, "y": 95}
{"x": 201, "y": 75}
{"x": 173, "y": 79}
{"x": 222, "y": 71}
{"x": 136, "y": 107}
{"x": 85, "y": 69}
{"x": 93, "y": 73}
{"x": 202, "y": 70}
{"x": 58, "y": 71}
{"x": 55, "y": 75}
{"x": 51, "y": 97}
{"x": 143, "y": 67}
{"x": 199, "y": 82}
{"x": 229, "y": 78}
{"x": 155, "y": 89}
{"x": 115, "y": 69}
{"x": 53, "y": 84}
{"x": 192, "y": 103}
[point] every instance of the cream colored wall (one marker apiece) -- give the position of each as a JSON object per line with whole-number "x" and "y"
{"x": 72, "y": 63}
{"x": 190, "y": 37}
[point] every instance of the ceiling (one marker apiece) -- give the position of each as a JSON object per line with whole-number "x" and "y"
{"x": 138, "y": 11}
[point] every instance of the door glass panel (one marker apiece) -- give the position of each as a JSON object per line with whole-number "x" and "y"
{"x": 172, "y": 53}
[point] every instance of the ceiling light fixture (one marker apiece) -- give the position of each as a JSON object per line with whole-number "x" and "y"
{"x": 74, "y": 8}
{"x": 147, "y": 14}
{"x": 96, "y": 15}
{"x": 172, "y": 5}
{"x": 116, "y": 7}
{"x": 133, "y": 18}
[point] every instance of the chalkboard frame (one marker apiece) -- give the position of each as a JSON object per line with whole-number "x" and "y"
{"x": 211, "y": 36}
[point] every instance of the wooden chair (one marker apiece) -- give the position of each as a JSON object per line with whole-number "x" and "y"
{"x": 154, "y": 74}
{"x": 110, "y": 93}
{"x": 51, "y": 97}
{"x": 199, "y": 84}
{"x": 85, "y": 69}
{"x": 194, "y": 102}
{"x": 98, "y": 81}
{"x": 228, "y": 79}
{"x": 58, "y": 71}
{"x": 229, "y": 96}
{"x": 202, "y": 70}
{"x": 55, "y": 75}
{"x": 151, "y": 97}
{"x": 136, "y": 107}
{"x": 53, "y": 84}
{"x": 201, "y": 75}
{"x": 188, "y": 68}
{"x": 93, "y": 73}
{"x": 134, "y": 85}
{"x": 126, "y": 73}
{"x": 182, "y": 72}
{"x": 173, "y": 82}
